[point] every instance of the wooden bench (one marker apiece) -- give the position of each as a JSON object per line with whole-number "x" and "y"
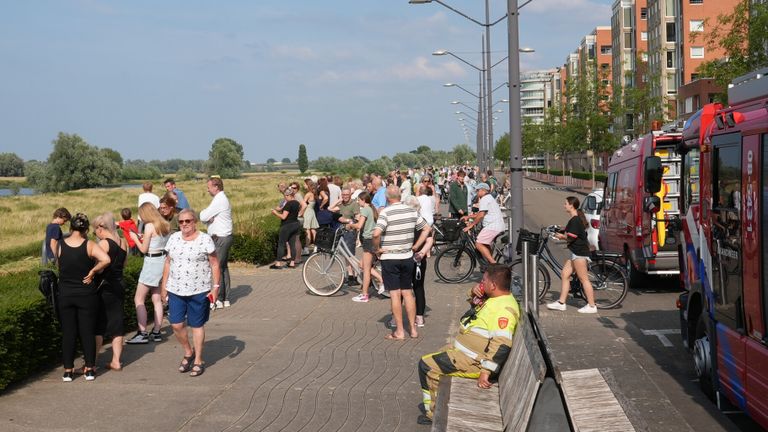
{"x": 526, "y": 398}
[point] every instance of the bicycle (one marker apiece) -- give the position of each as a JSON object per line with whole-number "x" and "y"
{"x": 607, "y": 275}
{"x": 324, "y": 271}
{"x": 456, "y": 263}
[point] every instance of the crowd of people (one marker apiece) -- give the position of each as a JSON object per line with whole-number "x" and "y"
{"x": 183, "y": 268}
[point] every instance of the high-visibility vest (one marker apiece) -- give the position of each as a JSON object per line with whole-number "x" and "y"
{"x": 487, "y": 335}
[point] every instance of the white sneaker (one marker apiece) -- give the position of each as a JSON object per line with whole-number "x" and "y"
{"x": 227, "y": 303}
{"x": 360, "y": 298}
{"x": 556, "y": 305}
{"x": 381, "y": 289}
{"x": 219, "y": 304}
{"x": 588, "y": 309}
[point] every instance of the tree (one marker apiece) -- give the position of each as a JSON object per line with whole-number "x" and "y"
{"x": 501, "y": 150}
{"x": 114, "y": 155}
{"x": 74, "y": 164}
{"x": 303, "y": 161}
{"x": 11, "y": 165}
{"x": 462, "y": 154}
{"x": 271, "y": 160}
{"x": 742, "y": 35}
{"x": 225, "y": 158}
{"x": 286, "y": 160}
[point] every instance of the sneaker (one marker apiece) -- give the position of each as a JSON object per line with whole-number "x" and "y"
{"x": 227, "y": 303}
{"x": 68, "y": 376}
{"x": 90, "y": 375}
{"x": 306, "y": 251}
{"x": 588, "y": 309}
{"x": 360, "y": 298}
{"x": 381, "y": 290}
{"x": 385, "y": 294}
{"x": 423, "y": 419}
{"x": 139, "y": 338}
{"x": 155, "y": 337}
{"x": 556, "y": 305}
{"x": 219, "y": 304}
{"x": 352, "y": 281}
{"x": 392, "y": 324}
{"x": 419, "y": 321}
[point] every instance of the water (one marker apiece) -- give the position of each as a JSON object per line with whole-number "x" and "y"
{"x": 4, "y": 192}
{"x": 22, "y": 191}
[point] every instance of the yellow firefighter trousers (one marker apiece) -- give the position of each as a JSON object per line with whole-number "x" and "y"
{"x": 450, "y": 362}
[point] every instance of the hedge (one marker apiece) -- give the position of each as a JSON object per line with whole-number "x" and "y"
{"x": 584, "y": 175}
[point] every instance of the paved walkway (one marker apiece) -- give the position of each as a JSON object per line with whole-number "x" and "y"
{"x": 279, "y": 359}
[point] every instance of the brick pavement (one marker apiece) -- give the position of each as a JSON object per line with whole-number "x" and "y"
{"x": 279, "y": 359}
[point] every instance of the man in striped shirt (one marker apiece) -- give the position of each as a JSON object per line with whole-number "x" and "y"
{"x": 393, "y": 238}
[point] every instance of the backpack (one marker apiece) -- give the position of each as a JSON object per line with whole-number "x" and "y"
{"x": 49, "y": 287}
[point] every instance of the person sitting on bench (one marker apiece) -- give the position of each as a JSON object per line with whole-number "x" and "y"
{"x": 483, "y": 343}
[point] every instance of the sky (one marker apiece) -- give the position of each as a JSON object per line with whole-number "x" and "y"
{"x": 162, "y": 80}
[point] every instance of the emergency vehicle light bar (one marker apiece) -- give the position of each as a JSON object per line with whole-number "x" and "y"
{"x": 753, "y": 85}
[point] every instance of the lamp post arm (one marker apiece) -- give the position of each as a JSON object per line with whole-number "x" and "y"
{"x": 447, "y": 6}
{"x": 464, "y": 61}
{"x": 498, "y": 62}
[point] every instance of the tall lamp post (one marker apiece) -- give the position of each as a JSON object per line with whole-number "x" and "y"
{"x": 515, "y": 125}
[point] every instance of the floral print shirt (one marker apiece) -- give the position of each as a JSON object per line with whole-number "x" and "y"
{"x": 190, "y": 271}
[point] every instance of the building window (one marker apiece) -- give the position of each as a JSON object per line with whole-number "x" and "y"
{"x": 643, "y": 13}
{"x": 696, "y": 1}
{"x": 670, "y": 8}
{"x": 643, "y": 36}
{"x": 627, "y": 40}
{"x": 605, "y": 49}
{"x": 697, "y": 52}
{"x": 644, "y": 56}
{"x": 627, "y": 17}
{"x": 671, "y": 33}
{"x": 671, "y": 84}
{"x": 696, "y": 26}
{"x": 670, "y": 59}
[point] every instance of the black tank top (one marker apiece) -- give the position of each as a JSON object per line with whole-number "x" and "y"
{"x": 74, "y": 265}
{"x": 114, "y": 272}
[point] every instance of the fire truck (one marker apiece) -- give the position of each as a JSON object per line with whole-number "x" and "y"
{"x": 724, "y": 233}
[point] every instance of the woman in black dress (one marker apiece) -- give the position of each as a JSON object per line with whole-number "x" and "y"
{"x": 576, "y": 235}
{"x": 289, "y": 229}
{"x": 80, "y": 260}
{"x": 112, "y": 291}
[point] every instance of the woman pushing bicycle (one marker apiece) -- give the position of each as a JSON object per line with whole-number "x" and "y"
{"x": 576, "y": 235}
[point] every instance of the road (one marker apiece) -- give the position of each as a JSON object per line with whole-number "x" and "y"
{"x": 637, "y": 347}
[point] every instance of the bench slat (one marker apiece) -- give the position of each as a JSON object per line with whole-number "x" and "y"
{"x": 592, "y": 404}
{"x": 520, "y": 378}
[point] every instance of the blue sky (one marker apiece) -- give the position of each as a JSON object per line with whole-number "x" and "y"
{"x": 164, "y": 79}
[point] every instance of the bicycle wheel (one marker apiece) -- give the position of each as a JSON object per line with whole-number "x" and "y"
{"x": 454, "y": 264}
{"x": 609, "y": 283}
{"x": 323, "y": 273}
{"x": 543, "y": 279}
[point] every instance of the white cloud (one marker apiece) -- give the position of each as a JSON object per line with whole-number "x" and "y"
{"x": 302, "y": 53}
{"x": 419, "y": 68}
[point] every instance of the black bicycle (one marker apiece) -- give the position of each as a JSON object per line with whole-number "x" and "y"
{"x": 455, "y": 263}
{"x": 607, "y": 275}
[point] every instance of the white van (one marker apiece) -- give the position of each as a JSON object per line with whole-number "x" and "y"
{"x": 591, "y": 207}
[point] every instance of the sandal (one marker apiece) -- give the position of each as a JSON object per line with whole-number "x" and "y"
{"x": 186, "y": 363}
{"x": 197, "y": 370}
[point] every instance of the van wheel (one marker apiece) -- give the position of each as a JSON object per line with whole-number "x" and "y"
{"x": 702, "y": 357}
{"x": 636, "y": 279}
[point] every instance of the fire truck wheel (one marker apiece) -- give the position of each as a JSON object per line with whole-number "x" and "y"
{"x": 702, "y": 357}
{"x": 637, "y": 279}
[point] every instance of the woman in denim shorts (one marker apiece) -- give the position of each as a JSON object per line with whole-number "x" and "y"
{"x": 190, "y": 281}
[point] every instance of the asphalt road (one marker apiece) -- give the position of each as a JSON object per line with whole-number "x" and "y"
{"x": 637, "y": 347}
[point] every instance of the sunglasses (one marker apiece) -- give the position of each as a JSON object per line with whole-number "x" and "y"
{"x": 186, "y": 221}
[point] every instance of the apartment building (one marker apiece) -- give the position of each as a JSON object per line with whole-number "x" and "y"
{"x": 629, "y": 41}
{"x": 537, "y": 93}
{"x": 674, "y": 50}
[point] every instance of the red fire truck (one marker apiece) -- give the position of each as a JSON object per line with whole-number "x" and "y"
{"x": 724, "y": 265}
{"x": 630, "y": 222}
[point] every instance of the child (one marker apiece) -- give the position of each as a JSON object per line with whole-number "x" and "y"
{"x": 128, "y": 225}
{"x": 53, "y": 234}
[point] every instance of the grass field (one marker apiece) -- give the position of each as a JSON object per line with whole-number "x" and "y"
{"x": 23, "y": 218}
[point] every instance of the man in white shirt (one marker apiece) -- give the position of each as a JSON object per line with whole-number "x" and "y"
{"x": 334, "y": 190}
{"x": 490, "y": 215}
{"x": 148, "y": 196}
{"x": 218, "y": 217}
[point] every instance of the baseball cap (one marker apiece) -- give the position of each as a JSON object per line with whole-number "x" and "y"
{"x": 482, "y": 186}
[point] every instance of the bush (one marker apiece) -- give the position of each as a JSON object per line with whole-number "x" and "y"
{"x": 584, "y": 175}
{"x": 256, "y": 243}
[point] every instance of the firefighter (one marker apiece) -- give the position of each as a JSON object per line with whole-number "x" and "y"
{"x": 483, "y": 343}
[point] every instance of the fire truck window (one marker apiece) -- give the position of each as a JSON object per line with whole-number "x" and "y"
{"x": 610, "y": 189}
{"x": 691, "y": 179}
{"x": 726, "y": 230}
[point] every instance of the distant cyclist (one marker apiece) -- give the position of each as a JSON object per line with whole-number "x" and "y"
{"x": 489, "y": 213}
{"x": 576, "y": 235}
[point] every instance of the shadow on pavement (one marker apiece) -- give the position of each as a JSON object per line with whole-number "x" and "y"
{"x": 217, "y": 349}
{"x": 239, "y": 292}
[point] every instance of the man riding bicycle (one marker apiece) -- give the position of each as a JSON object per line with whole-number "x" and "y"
{"x": 489, "y": 213}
